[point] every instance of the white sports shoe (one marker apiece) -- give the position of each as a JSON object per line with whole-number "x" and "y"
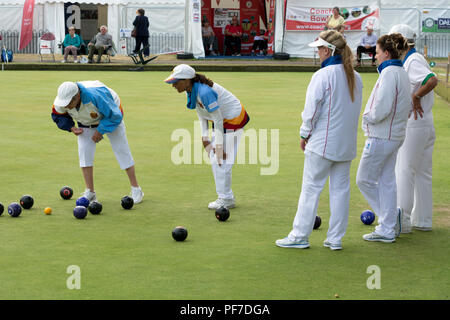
{"x": 137, "y": 194}
{"x": 287, "y": 243}
{"x": 376, "y": 237}
{"x": 406, "y": 225}
{"x": 91, "y": 196}
{"x": 332, "y": 246}
{"x": 219, "y": 203}
{"x": 63, "y": 61}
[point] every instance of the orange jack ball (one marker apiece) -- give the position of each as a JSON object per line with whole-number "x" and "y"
{"x": 48, "y": 210}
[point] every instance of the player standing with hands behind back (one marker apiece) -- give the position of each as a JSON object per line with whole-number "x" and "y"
{"x": 384, "y": 124}
{"x": 328, "y": 138}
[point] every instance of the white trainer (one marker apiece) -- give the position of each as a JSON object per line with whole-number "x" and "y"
{"x": 406, "y": 225}
{"x": 137, "y": 194}
{"x": 332, "y": 246}
{"x": 219, "y": 203}
{"x": 63, "y": 61}
{"x": 91, "y": 196}
{"x": 288, "y": 243}
{"x": 376, "y": 237}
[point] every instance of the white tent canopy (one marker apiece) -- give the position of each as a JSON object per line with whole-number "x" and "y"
{"x": 391, "y": 13}
{"x": 166, "y": 16}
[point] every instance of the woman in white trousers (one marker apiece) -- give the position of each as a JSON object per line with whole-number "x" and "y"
{"x": 384, "y": 124}
{"x": 415, "y": 157}
{"x": 215, "y": 104}
{"x": 328, "y": 138}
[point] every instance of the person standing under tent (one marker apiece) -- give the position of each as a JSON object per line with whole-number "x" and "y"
{"x": 328, "y": 137}
{"x": 384, "y": 124}
{"x": 415, "y": 157}
{"x": 141, "y": 24}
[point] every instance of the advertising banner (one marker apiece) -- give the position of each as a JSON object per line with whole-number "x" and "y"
{"x": 301, "y": 18}
{"x": 436, "y": 20}
{"x": 26, "y": 30}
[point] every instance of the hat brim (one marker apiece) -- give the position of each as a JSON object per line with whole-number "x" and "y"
{"x": 171, "y": 80}
{"x": 61, "y": 103}
{"x": 319, "y": 43}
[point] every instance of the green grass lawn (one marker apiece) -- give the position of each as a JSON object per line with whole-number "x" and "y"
{"x": 131, "y": 254}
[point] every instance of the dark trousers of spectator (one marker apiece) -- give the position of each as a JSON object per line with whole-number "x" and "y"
{"x": 144, "y": 42}
{"x": 209, "y": 42}
{"x": 96, "y": 49}
{"x": 234, "y": 43}
{"x": 261, "y": 44}
{"x": 362, "y": 49}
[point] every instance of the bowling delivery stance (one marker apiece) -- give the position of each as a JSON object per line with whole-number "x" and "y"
{"x": 215, "y": 104}
{"x": 97, "y": 110}
{"x": 328, "y": 137}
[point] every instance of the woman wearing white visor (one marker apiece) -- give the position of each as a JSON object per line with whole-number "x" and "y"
{"x": 384, "y": 124}
{"x": 328, "y": 138}
{"x": 415, "y": 157}
{"x": 216, "y": 104}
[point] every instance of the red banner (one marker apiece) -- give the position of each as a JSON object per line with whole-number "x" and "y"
{"x": 26, "y": 31}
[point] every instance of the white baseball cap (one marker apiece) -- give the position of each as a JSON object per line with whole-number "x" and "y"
{"x": 320, "y": 42}
{"x": 181, "y": 71}
{"x": 405, "y": 31}
{"x": 66, "y": 91}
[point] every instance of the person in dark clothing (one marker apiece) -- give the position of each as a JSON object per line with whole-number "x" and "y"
{"x": 141, "y": 24}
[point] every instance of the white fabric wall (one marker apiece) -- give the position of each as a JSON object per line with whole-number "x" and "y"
{"x": 391, "y": 13}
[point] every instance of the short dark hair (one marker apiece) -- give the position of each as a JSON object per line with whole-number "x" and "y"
{"x": 394, "y": 43}
{"x": 141, "y": 11}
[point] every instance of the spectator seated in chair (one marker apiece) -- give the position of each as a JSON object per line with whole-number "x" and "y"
{"x": 368, "y": 45}
{"x": 260, "y": 42}
{"x": 233, "y": 34}
{"x": 101, "y": 44}
{"x": 209, "y": 39}
{"x": 72, "y": 44}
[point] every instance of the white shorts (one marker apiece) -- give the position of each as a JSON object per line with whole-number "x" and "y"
{"x": 119, "y": 144}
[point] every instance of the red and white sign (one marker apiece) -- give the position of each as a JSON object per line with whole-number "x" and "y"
{"x": 299, "y": 18}
{"x": 26, "y": 31}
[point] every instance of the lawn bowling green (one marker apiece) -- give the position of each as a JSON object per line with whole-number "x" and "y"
{"x": 130, "y": 254}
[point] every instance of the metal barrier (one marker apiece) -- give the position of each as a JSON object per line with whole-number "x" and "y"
{"x": 437, "y": 45}
{"x": 11, "y": 41}
{"x": 160, "y": 42}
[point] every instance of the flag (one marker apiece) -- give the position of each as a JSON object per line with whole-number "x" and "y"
{"x": 26, "y": 30}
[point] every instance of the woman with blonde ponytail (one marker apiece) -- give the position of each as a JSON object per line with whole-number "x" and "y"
{"x": 328, "y": 138}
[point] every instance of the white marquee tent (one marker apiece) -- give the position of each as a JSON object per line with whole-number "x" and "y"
{"x": 166, "y": 16}
{"x": 391, "y": 13}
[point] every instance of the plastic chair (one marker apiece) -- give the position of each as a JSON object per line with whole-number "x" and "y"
{"x": 46, "y": 42}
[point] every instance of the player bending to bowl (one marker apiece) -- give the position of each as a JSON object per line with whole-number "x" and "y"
{"x": 97, "y": 111}
{"x": 328, "y": 137}
{"x": 216, "y": 104}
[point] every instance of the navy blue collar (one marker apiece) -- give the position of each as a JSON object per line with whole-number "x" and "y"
{"x": 337, "y": 59}
{"x": 410, "y": 52}
{"x": 387, "y": 63}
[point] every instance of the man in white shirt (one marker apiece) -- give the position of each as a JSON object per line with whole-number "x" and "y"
{"x": 368, "y": 45}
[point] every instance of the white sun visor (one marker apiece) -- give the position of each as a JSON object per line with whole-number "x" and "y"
{"x": 320, "y": 42}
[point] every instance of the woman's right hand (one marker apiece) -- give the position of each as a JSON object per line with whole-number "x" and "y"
{"x": 76, "y": 131}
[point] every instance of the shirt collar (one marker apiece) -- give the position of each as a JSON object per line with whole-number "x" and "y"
{"x": 337, "y": 59}
{"x": 387, "y": 63}
{"x": 410, "y": 52}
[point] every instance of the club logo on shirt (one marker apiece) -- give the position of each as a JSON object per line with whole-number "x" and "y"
{"x": 201, "y": 105}
{"x": 94, "y": 115}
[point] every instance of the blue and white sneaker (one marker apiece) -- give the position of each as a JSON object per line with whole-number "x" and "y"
{"x": 332, "y": 246}
{"x": 376, "y": 237}
{"x": 398, "y": 224}
{"x": 287, "y": 243}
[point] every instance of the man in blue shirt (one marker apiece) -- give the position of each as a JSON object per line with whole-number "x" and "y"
{"x": 368, "y": 45}
{"x": 97, "y": 111}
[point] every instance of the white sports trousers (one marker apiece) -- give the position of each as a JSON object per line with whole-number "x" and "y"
{"x": 119, "y": 144}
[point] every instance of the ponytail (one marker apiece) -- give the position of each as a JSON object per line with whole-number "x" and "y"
{"x": 202, "y": 79}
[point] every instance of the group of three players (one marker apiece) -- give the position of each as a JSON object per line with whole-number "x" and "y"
{"x": 397, "y": 121}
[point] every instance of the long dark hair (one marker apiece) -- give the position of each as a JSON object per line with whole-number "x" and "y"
{"x": 202, "y": 79}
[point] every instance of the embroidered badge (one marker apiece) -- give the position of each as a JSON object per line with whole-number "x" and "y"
{"x": 94, "y": 115}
